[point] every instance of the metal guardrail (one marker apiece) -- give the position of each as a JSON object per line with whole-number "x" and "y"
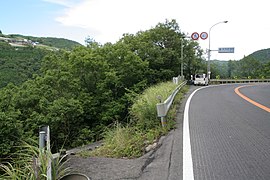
{"x": 163, "y": 108}
{"x": 226, "y": 81}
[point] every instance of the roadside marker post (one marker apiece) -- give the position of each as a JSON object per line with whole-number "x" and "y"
{"x": 44, "y": 137}
{"x": 161, "y": 112}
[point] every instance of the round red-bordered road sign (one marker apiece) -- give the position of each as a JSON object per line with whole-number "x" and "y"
{"x": 195, "y": 36}
{"x": 204, "y": 35}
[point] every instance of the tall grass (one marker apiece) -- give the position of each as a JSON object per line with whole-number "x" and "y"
{"x": 144, "y": 111}
{"x": 130, "y": 140}
{"x": 30, "y": 163}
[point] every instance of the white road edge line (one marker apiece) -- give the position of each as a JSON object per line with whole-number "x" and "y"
{"x": 187, "y": 156}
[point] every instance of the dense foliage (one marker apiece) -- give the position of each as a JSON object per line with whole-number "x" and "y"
{"x": 17, "y": 64}
{"x": 161, "y": 47}
{"x": 79, "y": 93}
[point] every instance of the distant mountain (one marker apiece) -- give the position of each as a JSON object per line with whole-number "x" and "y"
{"x": 58, "y": 43}
{"x": 262, "y": 55}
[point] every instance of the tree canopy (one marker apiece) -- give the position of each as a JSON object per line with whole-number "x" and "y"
{"x": 17, "y": 64}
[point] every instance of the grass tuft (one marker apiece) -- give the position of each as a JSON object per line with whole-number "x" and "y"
{"x": 119, "y": 142}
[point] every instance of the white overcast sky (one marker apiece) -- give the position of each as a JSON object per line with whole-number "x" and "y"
{"x": 247, "y": 29}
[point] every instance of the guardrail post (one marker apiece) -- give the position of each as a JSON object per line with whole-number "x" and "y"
{"x": 42, "y": 135}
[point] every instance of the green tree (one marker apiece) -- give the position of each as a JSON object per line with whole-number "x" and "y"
{"x": 161, "y": 48}
{"x": 250, "y": 67}
{"x": 193, "y": 62}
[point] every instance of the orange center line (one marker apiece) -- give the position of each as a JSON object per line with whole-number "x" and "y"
{"x": 236, "y": 90}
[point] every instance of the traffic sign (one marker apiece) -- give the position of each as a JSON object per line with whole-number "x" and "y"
{"x": 226, "y": 50}
{"x": 204, "y": 35}
{"x": 195, "y": 36}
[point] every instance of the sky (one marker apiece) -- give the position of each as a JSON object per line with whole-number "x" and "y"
{"x": 247, "y": 29}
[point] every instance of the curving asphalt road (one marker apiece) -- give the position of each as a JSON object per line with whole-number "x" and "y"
{"x": 221, "y": 137}
{"x": 229, "y": 136}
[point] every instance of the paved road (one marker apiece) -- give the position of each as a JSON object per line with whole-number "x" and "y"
{"x": 229, "y": 136}
{"x": 229, "y": 140}
{"x": 260, "y": 94}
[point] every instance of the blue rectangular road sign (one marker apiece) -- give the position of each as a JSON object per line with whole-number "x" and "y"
{"x": 226, "y": 50}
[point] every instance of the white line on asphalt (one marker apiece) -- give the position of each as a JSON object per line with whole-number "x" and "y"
{"x": 187, "y": 156}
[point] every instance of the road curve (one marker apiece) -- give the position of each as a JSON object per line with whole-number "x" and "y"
{"x": 229, "y": 136}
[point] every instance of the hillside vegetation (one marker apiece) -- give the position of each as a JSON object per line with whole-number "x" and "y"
{"x": 20, "y": 56}
{"x": 18, "y": 64}
{"x": 82, "y": 92}
{"x": 262, "y": 56}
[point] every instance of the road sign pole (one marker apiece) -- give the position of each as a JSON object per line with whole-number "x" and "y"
{"x": 209, "y": 49}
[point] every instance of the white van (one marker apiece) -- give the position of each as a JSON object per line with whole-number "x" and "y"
{"x": 201, "y": 79}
